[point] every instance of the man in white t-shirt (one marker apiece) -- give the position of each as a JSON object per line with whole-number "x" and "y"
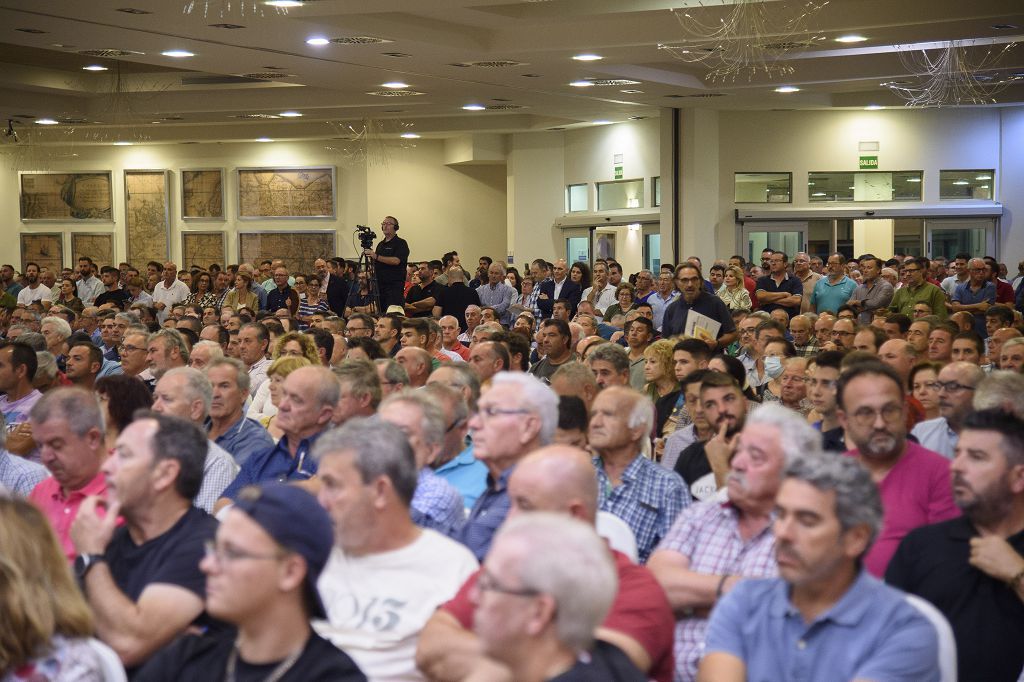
{"x": 36, "y": 290}
{"x": 169, "y": 291}
{"x": 386, "y": 575}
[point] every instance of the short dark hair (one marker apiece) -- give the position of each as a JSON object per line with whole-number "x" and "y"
{"x": 1006, "y": 424}
{"x": 322, "y": 339}
{"x": 371, "y": 347}
{"x": 572, "y": 413}
{"x": 901, "y": 320}
{"x": 973, "y": 337}
{"x": 870, "y": 368}
{"x": 417, "y": 324}
{"x": 1003, "y": 312}
{"x": 828, "y": 358}
{"x": 695, "y": 347}
{"x": 715, "y": 379}
{"x": 516, "y": 343}
{"x": 22, "y": 355}
{"x": 562, "y": 325}
{"x": 262, "y": 333}
{"x": 645, "y": 322}
{"x": 181, "y": 440}
{"x": 95, "y": 354}
{"x": 127, "y": 394}
{"x": 694, "y": 377}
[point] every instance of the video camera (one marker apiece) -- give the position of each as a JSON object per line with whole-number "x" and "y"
{"x": 366, "y": 236}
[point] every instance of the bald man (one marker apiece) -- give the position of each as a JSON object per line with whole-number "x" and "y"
{"x": 558, "y": 287}
{"x": 417, "y": 362}
{"x": 559, "y": 479}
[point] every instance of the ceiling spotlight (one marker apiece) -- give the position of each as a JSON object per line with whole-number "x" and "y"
{"x": 94, "y": 67}
{"x": 601, "y": 122}
{"x": 474, "y": 107}
{"x": 122, "y": 143}
{"x": 264, "y": 139}
{"x": 582, "y": 84}
{"x": 45, "y": 122}
{"x": 587, "y": 57}
{"x": 983, "y": 177}
{"x": 961, "y": 182}
{"x": 410, "y": 136}
{"x": 818, "y": 194}
{"x": 851, "y": 39}
{"x": 873, "y": 107}
{"x": 317, "y": 41}
{"x": 395, "y": 85}
{"x": 178, "y": 54}
{"x": 787, "y": 88}
{"x": 913, "y": 179}
{"x": 283, "y": 3}
{"x": 290, "y": 114}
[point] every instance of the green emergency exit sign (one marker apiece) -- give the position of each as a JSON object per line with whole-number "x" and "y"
{"x": 869, "y": 163}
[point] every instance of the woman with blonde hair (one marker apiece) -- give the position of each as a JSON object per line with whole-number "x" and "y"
{"x": 46, "y": 630}
{"x": 290, "y": 344}
{"x": 662, "y": 387}
{"x": 277, "y": 372}
{"x": 732, "y": 292}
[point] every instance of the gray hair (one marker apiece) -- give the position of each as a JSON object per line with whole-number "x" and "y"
{"x": 393, "y": 371}
{"x": 197, "y": 386}
{"x": 61, "y": 325}
{"x": 360, "y": 377}
{"x": 216, "y": 352}
{"x": 612, "y": 353}
{"x": 172, "y": 338}
{"x": 46, "y": 367}
{"x": 536, "y": 396}
{"x": 857, "y": 500}
{"x": 1001, "y": 389}
{"x": 566, "y": 559}
{"x": 796, "y": 436}
{"x": 241, "y": 373}
{"x": 642, "y": 413}
{"x": 380, "y": 450}
{"x": 33, "y": 340}
{"x": 449, "y": 398}
{"x": 576, "y": 373}
{"x": 501, "y": 265}
{"x": 1009, "y": 343}
{"x": 465, "y": 377}
{"x": 431, "y": 416}
{"x": 78, "y": 407}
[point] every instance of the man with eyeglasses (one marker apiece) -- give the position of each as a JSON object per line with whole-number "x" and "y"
{"x": 142, "y": 579}
{"x": 257, "y": 544}
{"x": 842, "y": 335}
{"x": 915, "y": 289}
{"x": 360, "y": 325}
{"x": 693, "y": 297}
{"x": 454, "y": 388}
{"x": 515, "y": 417}
{"x": 386, "y": 576}
{"x": 390, "y": 258}
{"x": 913, "y": 481}
{"x": 779, "y": 289}
{"x": 956, "y": 383}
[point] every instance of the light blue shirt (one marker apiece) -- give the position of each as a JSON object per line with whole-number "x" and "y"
{"x": 829, "y": 296}
{"x": 658, "y": 305}
{"x": 467, "y": 474}
{"x": 936, "y": 435}
{"x": 872, "y": 633}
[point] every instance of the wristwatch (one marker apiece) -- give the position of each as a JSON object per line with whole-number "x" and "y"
{"x": 84, "y": 562}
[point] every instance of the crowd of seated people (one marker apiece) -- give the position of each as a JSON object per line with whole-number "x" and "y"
{"x": 803, "y": 468}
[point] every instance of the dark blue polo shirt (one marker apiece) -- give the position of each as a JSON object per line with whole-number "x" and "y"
{"x": 790, "y": 285}
{"x": 674, "y": 322}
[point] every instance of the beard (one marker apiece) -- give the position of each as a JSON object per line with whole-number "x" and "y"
{"x": 880, "y": 444}
{"x": 983, "y": 506}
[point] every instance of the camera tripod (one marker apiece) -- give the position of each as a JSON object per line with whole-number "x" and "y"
{"x": 365, "y": 265}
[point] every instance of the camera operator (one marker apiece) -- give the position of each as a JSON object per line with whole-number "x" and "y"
{"x": 391, "y": 256}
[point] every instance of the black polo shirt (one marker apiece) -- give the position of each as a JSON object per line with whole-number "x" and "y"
{"x": 791, "y": 285}
{"x": 986, "y": 615}
{"x": 421, "y": 292}
{"x": 396, "y": 247}
{"x": 674, "y": 322}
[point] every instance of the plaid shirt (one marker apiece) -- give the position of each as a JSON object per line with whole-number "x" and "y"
{"x": 218, "y": 472}
{"x": 18, "y": 474}
{"x": 708, "y": 535}
{"x": 436, "y": 504}
{"x": 530, "y": 301}
{"x": 809, "y": 350}
{"x": 649, "y": 499}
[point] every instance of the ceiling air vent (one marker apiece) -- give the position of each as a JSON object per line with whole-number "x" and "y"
{"x": 702, "y": 95}
{"x": 492, "y": 64}
{"x": 255, "y": 117}
{"x": 360, "y": 40}
{"x": 266, "y": 75}
{"x": 787, "y": 45}
{"x": 393, "y": 93}
{"x": 34, "y": 31}
{"x": 109, "y": 53}
{"x": 598, "y": 82}
{"x": 504, "y": 107}
{"x": 228, "y": 26}
{"x": 133, "y": 10}
{"x": 218, "y": 80}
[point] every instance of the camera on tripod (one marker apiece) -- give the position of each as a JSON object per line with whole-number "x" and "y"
{"x": 366, "y": 236}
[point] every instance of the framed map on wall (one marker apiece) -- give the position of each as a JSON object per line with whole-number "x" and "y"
{"x": 66, "y": 196}
{"x": 203, "y": 248}
{"x": 298, "y": 250}
{"x": 202, "y": 194}
{"x": 96, "y": 245}
{"x": 147, "y": 224}
{"x": 286, "y": 192}
{"x": 46, "y": 249}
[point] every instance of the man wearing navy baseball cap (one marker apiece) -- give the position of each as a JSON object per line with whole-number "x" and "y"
{"x": 261, "y": 574}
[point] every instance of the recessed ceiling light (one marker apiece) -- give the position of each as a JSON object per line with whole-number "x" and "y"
{"x": 94, "y": 67}
{"x": 283, "y": 3}
{"x": 264, "y": 139}
{"x": 582, "y": 84}
{"x": 982, "y": 186}
{"x": 178, "y": 54}
{"x": 122, "y": 143}
{"x": 913, "y": 179}
{"x": 394, "y": 85}
{"x": 960, "y": 182}
{"x": 632, "y": 92}
{"x": 983, "y": 177}
{"x": 873, "y": 107}
{"x": 290, "y": 114}
{"x": 474, "y": 107}
{"x": 317, "y": 41}
{"x": 46, "y": 121}
{"x": 787, "y": 88}
{"x": 410, "y": 136}
{"x": 601, "y": 122}
{"x": 587, "y": 57}
{"x": 851, "y": 39}
{"x": 818, "y": 194}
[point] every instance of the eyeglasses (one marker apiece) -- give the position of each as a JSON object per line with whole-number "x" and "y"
{"x": 224, "y": 555}
{"x": 952, "y": 386}
{"x": 486, "y": 582}
{"x": 454, "y": 425}
{"x": 491, "y": 411}
{"x": 126, "y": 348}
{"x": 793, "y": 380}
{"x": 866, "y": 416}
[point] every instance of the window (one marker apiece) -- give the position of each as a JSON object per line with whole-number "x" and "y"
{"x": 576, "y": 198}
{"x": 656, "y": 191}
{"x": 865, "y": 186}
{"x": 763, "y": 188}
{"x": 620, "y": 194}
{"x": 652, "y": 252}
{"x": 966, "y": 184}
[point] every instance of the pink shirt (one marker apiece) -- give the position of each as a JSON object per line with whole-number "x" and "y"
{"x": 915, "y": 492}
{"x": 61, "y": 510}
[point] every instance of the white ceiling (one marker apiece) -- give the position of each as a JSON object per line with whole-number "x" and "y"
{"x": 41, "y": 72}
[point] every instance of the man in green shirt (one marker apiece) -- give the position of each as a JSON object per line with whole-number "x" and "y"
{"x": 916, "y": 290}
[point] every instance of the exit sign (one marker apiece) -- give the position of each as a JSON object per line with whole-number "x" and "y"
{"x": 869, "y": 163}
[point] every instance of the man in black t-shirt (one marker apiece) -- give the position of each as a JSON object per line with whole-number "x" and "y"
{"x": 113, "y": 293}
{"x": 142, "y": 579}
{"x": 424, "y": 296}
{"x": 261, "y": 576}
{"x": 390, "y": 259}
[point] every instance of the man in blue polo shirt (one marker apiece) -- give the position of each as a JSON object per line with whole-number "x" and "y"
{"x": 825, "y": 617}
{"x": 836, "y": 289}
{"x": 779, "y": 289}
{"x": 308, "y": 399}
{"x": 229, "y": 427}
{"x": 694, "y": 297}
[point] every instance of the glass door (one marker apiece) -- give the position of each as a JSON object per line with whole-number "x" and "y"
{"x": 948, "y": 237}
{"x": 788, "y": 237}
{"x": 652, "y": 248}
{"x": 577, "y": 244}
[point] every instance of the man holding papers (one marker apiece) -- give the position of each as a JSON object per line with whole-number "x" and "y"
{"x": 696, "y": 312}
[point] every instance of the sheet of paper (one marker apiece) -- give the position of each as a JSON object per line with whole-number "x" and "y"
{"x": 701, "y": 326}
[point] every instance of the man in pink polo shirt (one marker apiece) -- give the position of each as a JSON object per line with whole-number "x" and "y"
{"x": 68, "y": 427}
{"x": 914, "y": 481}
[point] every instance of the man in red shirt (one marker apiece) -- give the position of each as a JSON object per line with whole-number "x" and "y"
{"x": 558, "y": 479}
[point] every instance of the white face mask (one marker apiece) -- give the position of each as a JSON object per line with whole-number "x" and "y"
{"x": 773, "y": 366}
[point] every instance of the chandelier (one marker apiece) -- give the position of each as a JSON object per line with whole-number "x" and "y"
{"x": 953, "y": 74}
